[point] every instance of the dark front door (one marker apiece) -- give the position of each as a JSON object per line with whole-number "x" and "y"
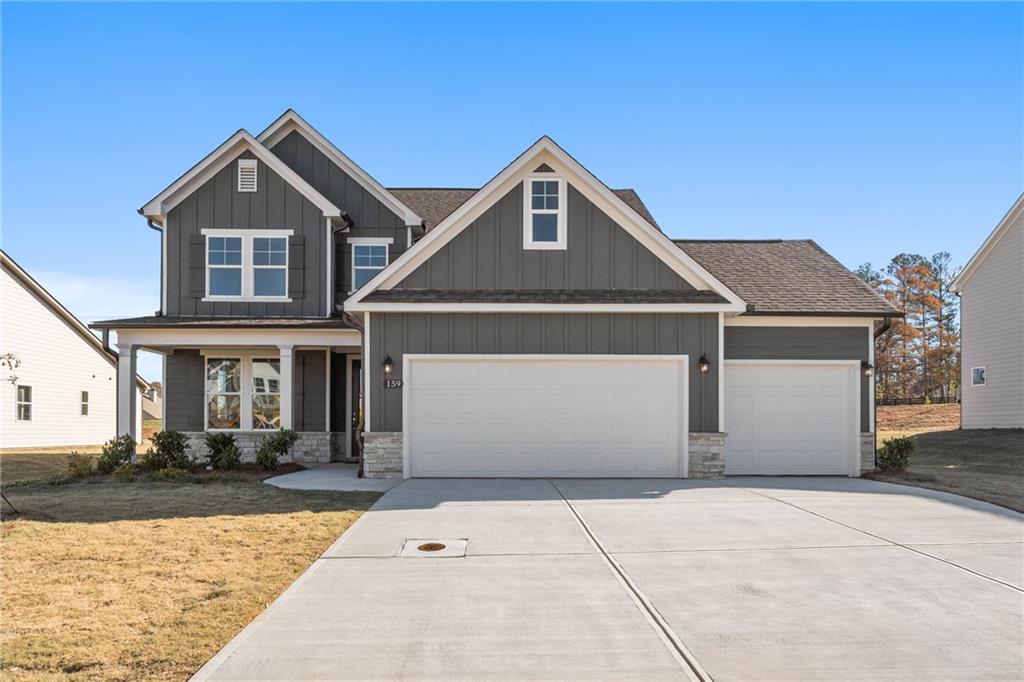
{"x": 356, "y": 418}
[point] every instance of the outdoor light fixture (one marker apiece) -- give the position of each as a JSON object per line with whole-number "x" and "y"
{"x": 869, "y": 369}
{"x": 388, "y": 365}
{"x": 705, "y": 365}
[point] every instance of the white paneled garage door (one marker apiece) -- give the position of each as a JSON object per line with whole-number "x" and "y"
{"x": 791, "y": 417}
{"x": 544, "y": 415}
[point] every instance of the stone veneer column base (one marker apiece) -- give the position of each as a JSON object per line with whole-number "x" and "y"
{"x": 707, "y": 455}
{"x": 382, "y": 454}
{"x": 312, "y": 447}
{"x": 867, "y": 452}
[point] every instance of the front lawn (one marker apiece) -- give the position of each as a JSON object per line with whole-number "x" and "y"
{"x": 16, "y": 467}
{"x": 986, "y": 464}
{"x": 148, "y": 579}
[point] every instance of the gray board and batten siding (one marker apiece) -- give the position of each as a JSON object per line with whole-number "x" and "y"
{"x": 276, "y": 205}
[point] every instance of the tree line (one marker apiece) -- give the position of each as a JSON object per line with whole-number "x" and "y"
{"x": 920, "y": 355}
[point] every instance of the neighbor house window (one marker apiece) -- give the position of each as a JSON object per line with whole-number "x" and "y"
{"x": 977, "y": 376}
{"x": 247, "y": 265}
{"x": 223, "y": 393}
{"x": 266, "y": 394}
{"x": 84, "y": 404}
{"x": 369, "y": 256}
{"x": 544, "y": 219}
{"x": 23, "y": 404}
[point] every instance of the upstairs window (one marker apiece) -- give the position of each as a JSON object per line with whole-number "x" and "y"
{"x": 224, "y": 266}
{"x": 247, "y": 175}
{"x": 23, "y": 404}
{"x": 369, "y": 256}
{"x": 544, "y": 219}
{"x": 270, "y": 266}
{"x": 247, "y": 265}
{"x": 84, "y": 398}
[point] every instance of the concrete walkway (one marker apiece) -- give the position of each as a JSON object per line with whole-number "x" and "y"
{"x": 746, "y": 579}
{"x": 338, "y": 476}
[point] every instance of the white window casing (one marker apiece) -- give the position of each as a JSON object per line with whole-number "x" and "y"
{"x": 370, "y": 255}
{"x": 247, "y": 175}
{"x": 544, "y": 199}
{"x": 262, "y": 252}
{"x": 23, "y": 403}
{"x": 979, "y": 376}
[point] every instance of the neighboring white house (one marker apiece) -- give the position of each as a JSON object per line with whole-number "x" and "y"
{"x": 991, "y": 290}
{"x": 58, "y": 382}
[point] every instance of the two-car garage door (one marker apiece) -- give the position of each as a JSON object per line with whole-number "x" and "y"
{"x": 545, "y": 415}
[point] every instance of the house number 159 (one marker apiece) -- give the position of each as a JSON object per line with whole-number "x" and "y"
{"x": 392, "y": 383}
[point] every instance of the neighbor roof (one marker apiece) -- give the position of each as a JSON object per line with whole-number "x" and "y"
{"x": 434, "y": 204}
{"x": 787, "y": 277}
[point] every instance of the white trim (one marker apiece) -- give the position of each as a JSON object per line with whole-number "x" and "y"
{"x": 855, "y": 373}
{"x": 1015, "y": 213}
{"x": 329, "y": 279}
{"x": 233, "y": 232}
{"x": 18, "y": 403}
{"x": 546, "y": 151}
{"x": 780, "y": 321}
{"x": 159, "y": 206}
{"x": 453, "y": 307}
{"x": 366, "y": 355}
{"x": 721, "y": 373}
{"x": 560, "y": 213}
{"x": 248, "y": 267}
{"x": 984, "y": 369}
{"x": 871, "y": 380}
{"x": 228, "y": 337}
{"x": 163, "y": 270}
{"x": 291, "y": 121}
{"x": 684, "y": 380}
{"x": 248, "y": 165}
{"x": 327, "y": 397}
{"x": 369, "y": 241}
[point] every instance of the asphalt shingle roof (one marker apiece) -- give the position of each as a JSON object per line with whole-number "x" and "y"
{"x": 786, "y": 276}
{"x": 434, "y": 204}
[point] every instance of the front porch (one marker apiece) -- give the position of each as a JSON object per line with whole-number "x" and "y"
{"x": 250, "y": 381}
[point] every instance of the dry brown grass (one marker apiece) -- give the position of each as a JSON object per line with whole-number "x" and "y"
{"x": 904, "y": 420}
{"x": 147, "y": 580}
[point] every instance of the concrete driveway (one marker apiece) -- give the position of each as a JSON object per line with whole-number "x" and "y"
{"x": 744, "y": 579}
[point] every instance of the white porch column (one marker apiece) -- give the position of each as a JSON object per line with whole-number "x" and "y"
{"x": 287, "y": 365}
{"x": 126, "y": 404}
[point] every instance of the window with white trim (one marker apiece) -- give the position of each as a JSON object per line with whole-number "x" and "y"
{"x": 223, "y": 393}
{"x": 247, "y": 175}
{"x": 544, "y": 212}
{"x": 978, "y": 376}
{"x": 247, "y": 265}
{"x": 266, "y": 393}
{"x": 367, "y": 260}
{"x": 23, "y": 404}
{"x": 84, "y": 404}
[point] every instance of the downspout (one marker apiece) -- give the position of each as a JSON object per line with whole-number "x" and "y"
{"x": 158, "y": 228}
{"x": 886, "y": 326}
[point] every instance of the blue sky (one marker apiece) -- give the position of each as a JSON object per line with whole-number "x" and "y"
{"x": 871, "y": 128}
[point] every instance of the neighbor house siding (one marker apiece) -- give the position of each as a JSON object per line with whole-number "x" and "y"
{"x": 396, "y": 334}
{"x": 370, "y": 217}
{"x": 489, "y": 254}
{"x": 275, "y": 206}
{"x": 804, "y": 343}
{"x": 992, "y": 336}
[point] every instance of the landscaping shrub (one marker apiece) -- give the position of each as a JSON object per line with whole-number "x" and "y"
{"x": 171, "y": 473}
{"x": 116, "y": 451}
{"x": 224, "y": 452}
{"x": 125, "y": 472}
{"x": 79, "y": 465}
{"x": 274, "y": 447}
{"x": 58, "y": 479}
{"x": 167, "y": 452}
{"x": 894, "y": 455}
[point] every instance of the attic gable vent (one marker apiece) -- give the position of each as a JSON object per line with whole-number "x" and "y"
{"x": 247, "y": 175}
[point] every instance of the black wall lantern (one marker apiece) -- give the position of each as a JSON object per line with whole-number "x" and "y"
{"x": 705, "y": 364}
{"x": 388, "y": 365}
{"x": 867, "y": 368}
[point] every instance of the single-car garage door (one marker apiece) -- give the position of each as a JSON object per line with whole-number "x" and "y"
{"x": 545, "y": 415}
{"x": 791, "y": 417}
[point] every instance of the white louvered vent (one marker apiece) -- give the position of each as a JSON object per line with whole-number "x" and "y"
{"x": 247, "y": 175}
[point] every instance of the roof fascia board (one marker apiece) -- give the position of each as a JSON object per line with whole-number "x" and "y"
{"x": 1015, "y": 213}
{"x": 544, "y": 307}
{"x": 545, "y": 151}
{"x": 237, "y": 338}
{"x": 160, "y": 205}
{"x": 291, "y": 121}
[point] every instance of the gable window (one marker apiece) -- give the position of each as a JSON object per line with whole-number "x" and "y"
{"x": 23, "y": 404}
{"x": 544, "y": 216}
{"x": 223, "y": 393}
{"x": 247, "y": 265}
{"x": 247, "y": 175}
{"x": 369, "y": 256}
{"x": 84, "y": 399}
{"x": 978, "y": 376}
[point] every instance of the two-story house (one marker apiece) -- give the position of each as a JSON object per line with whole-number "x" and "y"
{"x": 541, "y": 325}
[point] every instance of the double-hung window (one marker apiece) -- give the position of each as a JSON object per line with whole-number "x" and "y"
{"x": 369, "y": 256}
{"x": 243, "y": 392}
{"x": 84, "y": 400}
{"x": 23, "y": 404}
{"x": 223, "y": 393}
{"x": 247, "y": 265}
{"x": 544, "y": 212}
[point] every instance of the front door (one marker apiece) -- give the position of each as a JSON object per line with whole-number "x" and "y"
{"x": 355, "y": 431}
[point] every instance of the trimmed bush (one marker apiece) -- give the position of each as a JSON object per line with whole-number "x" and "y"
{"x": 274, "y": 447}
{"x": 79, "y": 465}
{"x": 894, "y": 455}
{"x": 223, "y": 451}
{"x": 167, "y": 452}
{"x": 116, "y": 451}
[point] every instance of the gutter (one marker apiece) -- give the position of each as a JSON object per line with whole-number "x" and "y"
{"x": 155, "y": 226}
{"x": 886, "y": 326}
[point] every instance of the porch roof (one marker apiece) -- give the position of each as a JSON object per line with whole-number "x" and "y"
{"x": 183, "y": 322}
